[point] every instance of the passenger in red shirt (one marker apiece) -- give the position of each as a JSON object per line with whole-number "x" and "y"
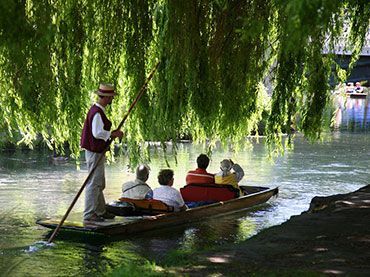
{"x": 200, "y": 175}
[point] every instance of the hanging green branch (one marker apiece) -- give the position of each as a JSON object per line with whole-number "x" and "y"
{"x": 214, "y": 56}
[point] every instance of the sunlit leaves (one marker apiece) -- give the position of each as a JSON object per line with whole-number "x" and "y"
{"x": 214, "y": 56}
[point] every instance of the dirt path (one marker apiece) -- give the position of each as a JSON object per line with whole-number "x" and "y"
{"x": 332, "y": 238}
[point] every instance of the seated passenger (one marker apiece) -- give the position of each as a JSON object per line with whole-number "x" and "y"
{"x": 166, "y": 193}
{"x": 358, "y": 87}
{"x": 350, "y": 88}
{"x": 138, "y": 189}
{"x": 200, "y": 175}
{"x": 226, "y": 177}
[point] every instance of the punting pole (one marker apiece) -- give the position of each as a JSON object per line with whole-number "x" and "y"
{"x": 138, "y": 96}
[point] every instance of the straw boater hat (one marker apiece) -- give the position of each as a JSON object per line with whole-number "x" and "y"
{"x": 106, "y": 90}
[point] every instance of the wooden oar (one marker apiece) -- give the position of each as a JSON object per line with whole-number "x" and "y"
{"x": 140, "y": 93}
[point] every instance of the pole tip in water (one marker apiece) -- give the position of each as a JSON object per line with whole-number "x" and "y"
{"x": 38, "y": 246}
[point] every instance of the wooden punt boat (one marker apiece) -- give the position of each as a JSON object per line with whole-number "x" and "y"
{"x": 136, "y": 224}
{"x": 357, "y": 94}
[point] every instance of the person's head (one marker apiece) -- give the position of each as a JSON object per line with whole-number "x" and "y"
{"x": 226, "y": 165}
{"x": 142, "y": 172}
{"x": 165, "y": 177}
{"x": 358, "y": 84}
{"x": 106, "y": 94}
{"x": 203, "y": 161}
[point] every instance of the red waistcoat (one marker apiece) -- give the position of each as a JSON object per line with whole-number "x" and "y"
{"x": 88, "y": 141}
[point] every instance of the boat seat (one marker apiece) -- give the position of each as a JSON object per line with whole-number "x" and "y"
{"x": 208, "y": 192}
{"x": 148, "y": 205}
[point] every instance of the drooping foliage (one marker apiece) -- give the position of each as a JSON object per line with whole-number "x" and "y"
{"x": 214, "y": 54}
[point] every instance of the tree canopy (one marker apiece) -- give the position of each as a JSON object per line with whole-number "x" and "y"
{"x": 214, "y": 56}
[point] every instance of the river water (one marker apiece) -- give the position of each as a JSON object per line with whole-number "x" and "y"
{"x": 32, "y": 188}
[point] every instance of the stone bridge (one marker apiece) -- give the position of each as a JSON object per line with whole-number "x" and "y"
{"x": 361, "y": 70}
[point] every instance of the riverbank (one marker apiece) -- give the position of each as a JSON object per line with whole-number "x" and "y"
{"x": 332, "y": 238}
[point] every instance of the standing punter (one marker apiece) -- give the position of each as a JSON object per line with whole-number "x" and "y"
{"x": 94, "y": 139}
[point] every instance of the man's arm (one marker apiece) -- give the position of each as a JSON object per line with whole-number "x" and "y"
{"x": 99, "y": 132}
{"x": 239, "y": 172}
{"x": 98, "y": 128}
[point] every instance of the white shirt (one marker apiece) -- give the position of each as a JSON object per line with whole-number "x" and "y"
{"x": 97, "y": 126}
{"x": 169, "y": 195}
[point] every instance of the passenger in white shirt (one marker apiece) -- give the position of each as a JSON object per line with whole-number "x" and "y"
{"x": 166, "y": 193}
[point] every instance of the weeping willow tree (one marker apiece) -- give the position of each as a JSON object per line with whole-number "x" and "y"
{"x": 214, "y": 56}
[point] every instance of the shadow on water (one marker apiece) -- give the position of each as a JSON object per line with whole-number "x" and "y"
{"x": 89, "y": 253}
{"x": 156, "y": 244}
